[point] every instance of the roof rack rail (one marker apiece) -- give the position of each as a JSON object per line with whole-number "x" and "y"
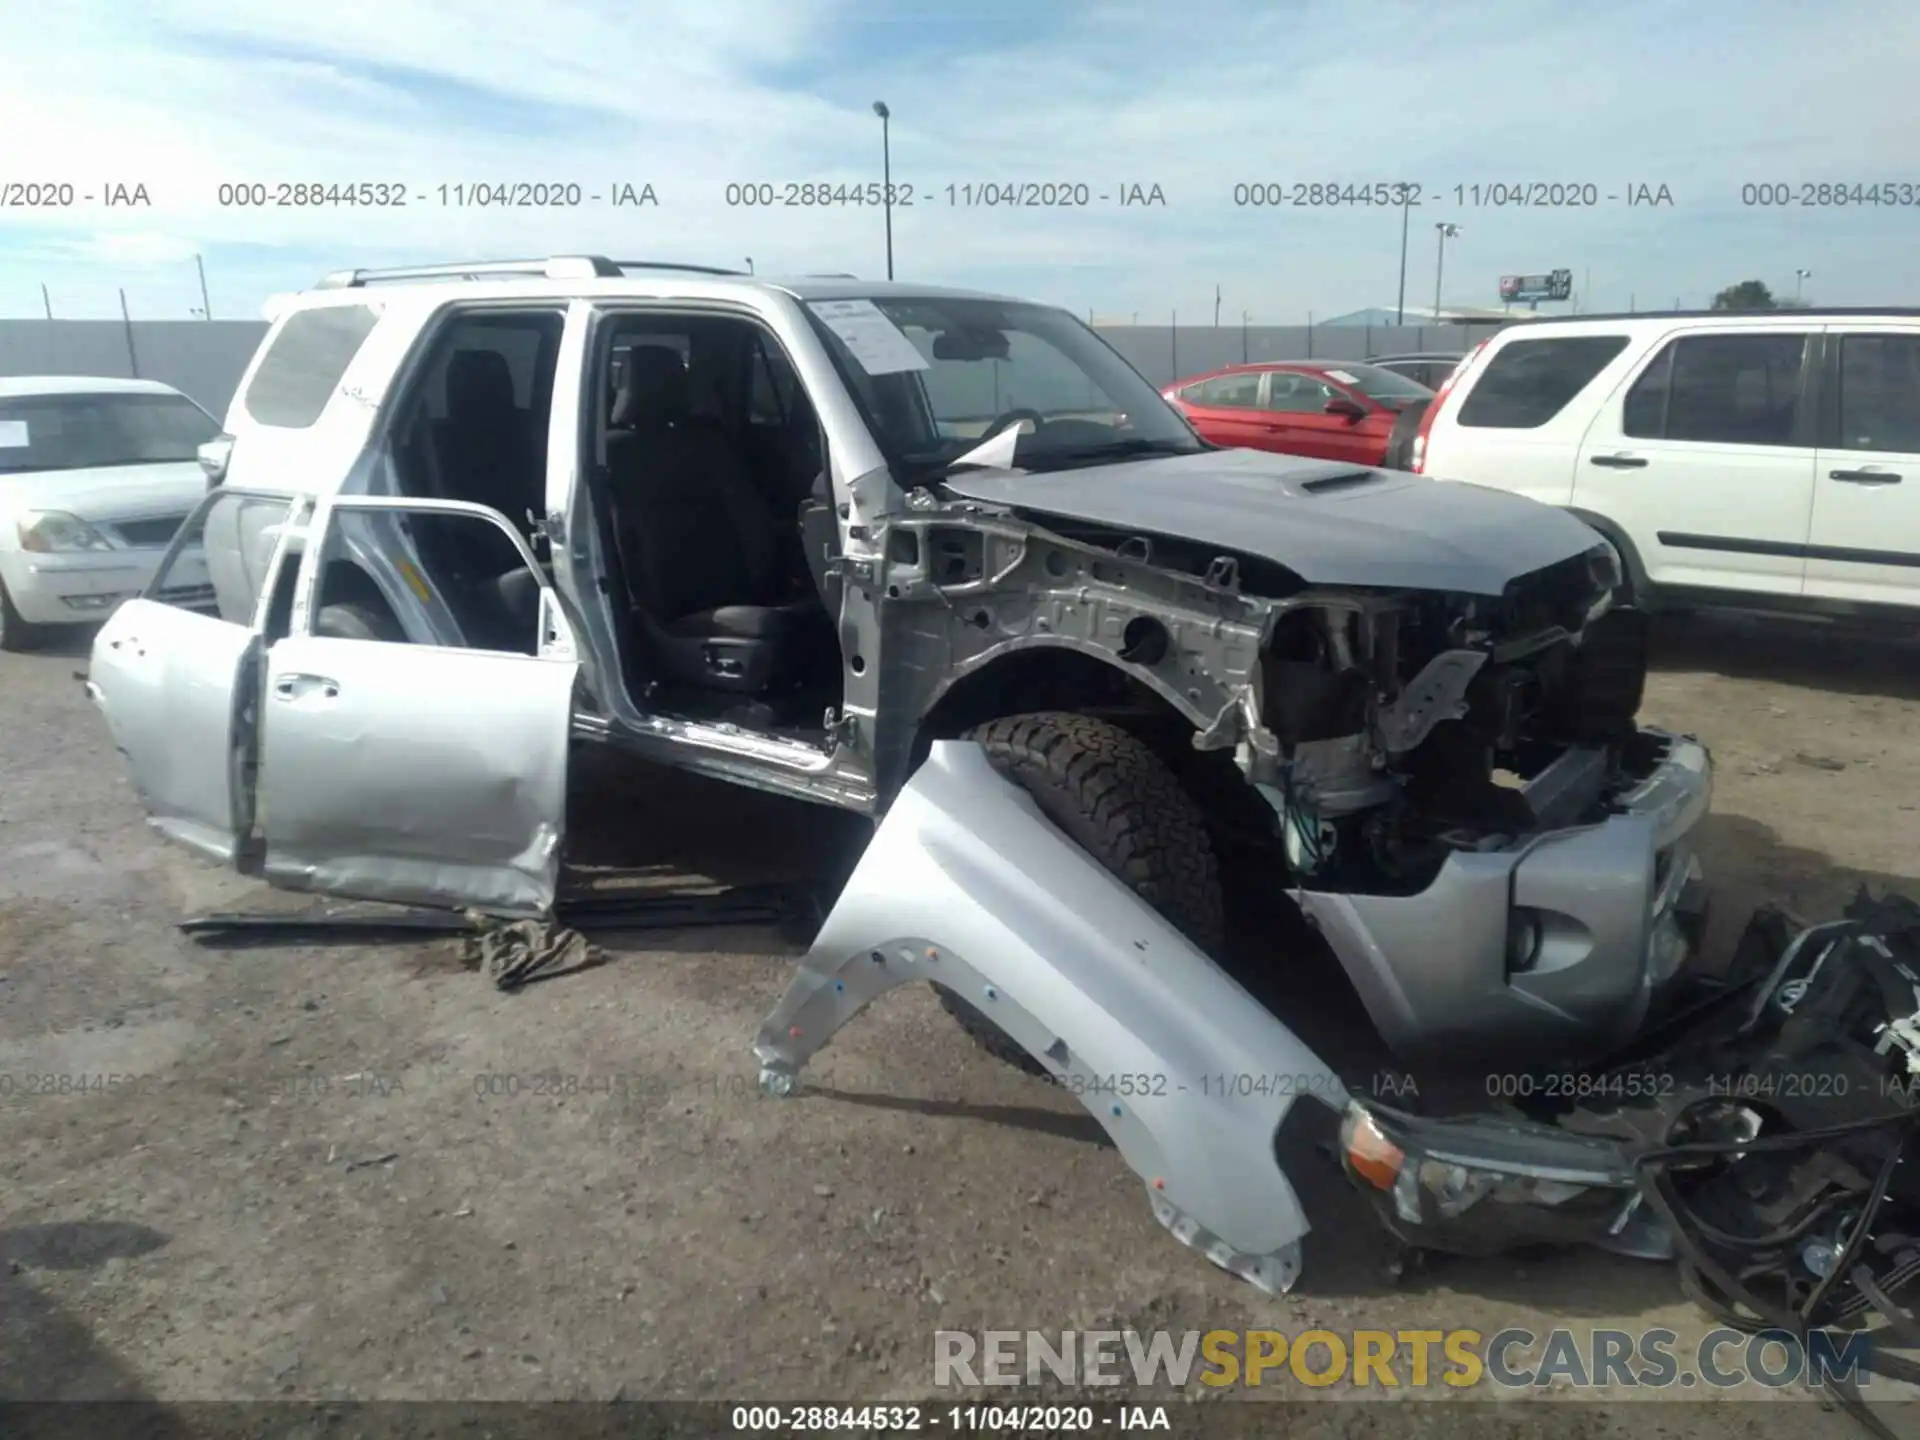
{"x": 554, "y": 267}
{"x": 673, "y": 265}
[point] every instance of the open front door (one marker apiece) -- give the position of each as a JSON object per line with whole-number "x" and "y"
{"x": 171, "y": 670}
{"x": 417, "y": 717}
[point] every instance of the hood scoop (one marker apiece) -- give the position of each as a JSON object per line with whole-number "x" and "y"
{"x": 1350, "y": 481}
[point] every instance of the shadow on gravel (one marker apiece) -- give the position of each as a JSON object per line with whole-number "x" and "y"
{"x": 1813, "y": 656}
{"x": 48, "y": 1356}
{"x": 1065, "y": 1124}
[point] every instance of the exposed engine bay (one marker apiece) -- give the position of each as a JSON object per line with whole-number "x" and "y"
{"x": 1449, "y": 781}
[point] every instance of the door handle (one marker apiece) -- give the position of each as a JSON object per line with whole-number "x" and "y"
{"x": 1865, "y": 477}
{"x": 289, "y": 687}
{"x": 1618, "y": 462}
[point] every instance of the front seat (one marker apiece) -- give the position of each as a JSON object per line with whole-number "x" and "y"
{"x": 703, "y": 552}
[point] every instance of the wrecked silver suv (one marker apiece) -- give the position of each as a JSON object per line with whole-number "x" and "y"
{"x": 943, "y": 559}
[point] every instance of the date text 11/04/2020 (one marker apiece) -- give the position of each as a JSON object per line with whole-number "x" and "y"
{"x": 968, "y": 195}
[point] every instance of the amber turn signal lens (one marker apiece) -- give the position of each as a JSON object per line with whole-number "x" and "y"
{"x": 1370, "y": 1154}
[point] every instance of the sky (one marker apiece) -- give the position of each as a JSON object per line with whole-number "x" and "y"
{"x": 169, "y": 101}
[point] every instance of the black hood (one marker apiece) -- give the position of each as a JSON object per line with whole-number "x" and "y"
{"x": 1330, "y": 524}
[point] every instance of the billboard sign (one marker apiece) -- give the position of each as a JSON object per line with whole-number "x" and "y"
{"x": 1555, "y": 285}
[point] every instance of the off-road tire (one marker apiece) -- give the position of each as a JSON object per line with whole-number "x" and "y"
{"x": 1123, "y": 805}
{"x": 16, "y": 634}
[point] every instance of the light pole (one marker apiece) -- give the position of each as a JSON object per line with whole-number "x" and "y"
{"x": 886, "y": 176}
{"x": 1406, "y": 214}
{"x": 206, "y": 306}
{"x": 1800, "y": 277}
{"x": 1447, "y": 231}
{"x": 749, "y": 260}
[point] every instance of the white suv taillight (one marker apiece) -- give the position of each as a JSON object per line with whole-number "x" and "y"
{"x": 1417, "y": 459}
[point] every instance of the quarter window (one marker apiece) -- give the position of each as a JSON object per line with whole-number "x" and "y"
{"x": 1528, "y": 382}
{"x": 305, "y": 363}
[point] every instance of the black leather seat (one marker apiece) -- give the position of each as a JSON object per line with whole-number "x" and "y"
{"x": 704, "y": 553}
{"x": 485, "y": 447}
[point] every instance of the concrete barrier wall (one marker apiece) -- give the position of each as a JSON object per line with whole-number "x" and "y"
{"x": 200, "y": 358}
{"x": 205, "y": 358}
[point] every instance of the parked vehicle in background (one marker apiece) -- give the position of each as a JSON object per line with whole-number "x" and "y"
{"x": 1429, "y": 368}
{"x": 1331, "y": 410}
{"x": 96, "y": 476}
{"x": 1760, "y": 461}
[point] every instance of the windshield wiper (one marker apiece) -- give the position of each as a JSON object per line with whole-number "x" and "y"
{"x": 1105, "y": 450}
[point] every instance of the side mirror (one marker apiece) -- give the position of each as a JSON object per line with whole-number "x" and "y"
{"x": 213, "y": 457}
{"x": 1349, "y": 408}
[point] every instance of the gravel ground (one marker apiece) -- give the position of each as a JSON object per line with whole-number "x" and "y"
{"x": 308, "y": 1193}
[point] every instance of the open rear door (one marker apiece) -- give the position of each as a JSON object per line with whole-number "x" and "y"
{"x": 173, "y": 669}
{"x": 417, "y": 719}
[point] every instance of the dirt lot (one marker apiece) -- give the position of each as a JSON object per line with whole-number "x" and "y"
{"x": 309, "y": 1193}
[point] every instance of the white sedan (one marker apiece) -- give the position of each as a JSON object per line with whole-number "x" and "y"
{"x": 96, "y": 475}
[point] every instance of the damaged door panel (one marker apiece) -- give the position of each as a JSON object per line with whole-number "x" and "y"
{"x": 431, "y": 767}
{"x": 967, "y": 885}
{"x": 173, "y": 670}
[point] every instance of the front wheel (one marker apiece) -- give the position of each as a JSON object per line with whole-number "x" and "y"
{"x": 1122, "y": 804}
{"x": 17, "y": 634}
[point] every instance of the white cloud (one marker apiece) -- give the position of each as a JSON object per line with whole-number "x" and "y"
{"x": 184, "y": 95}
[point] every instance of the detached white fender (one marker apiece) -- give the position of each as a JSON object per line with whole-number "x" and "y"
{"x": 965, "y": 883}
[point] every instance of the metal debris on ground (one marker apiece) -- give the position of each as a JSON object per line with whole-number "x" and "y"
{"x": 512, "y": 952}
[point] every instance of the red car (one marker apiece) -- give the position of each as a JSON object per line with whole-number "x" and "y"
{"x": 1329, "y": 409}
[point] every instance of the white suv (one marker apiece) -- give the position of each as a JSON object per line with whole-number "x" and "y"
{"x": 1764, "y": 461}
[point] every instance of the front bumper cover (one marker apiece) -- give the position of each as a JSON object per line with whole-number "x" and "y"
{"x": 1619, "y": 905}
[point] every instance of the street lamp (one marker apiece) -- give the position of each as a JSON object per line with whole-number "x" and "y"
{"x": 1800, "y": 277}
{"x": 1447, "y": 231}
{"x": 1406, "y": 213}
{"x": 886, "y": 176}
{"x": 749, "y": 264}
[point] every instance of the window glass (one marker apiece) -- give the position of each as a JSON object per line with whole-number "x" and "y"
{"x": 478, "y": 423}
{"x": 306, "y": 362}
{"x": 1644, "y": 412}
{"x": 771, "y": 383}
{"x": 83, "y": 432}
{"x": 1528, "y": 382}
{"x": 1393, "y": 385}
{"x": 222, "y": 563}
{"x": 1296, "y": 394}
{"x": 1231, "y": 392}
{"x": 1734, "y": 389}
{"x": 1880, "y": 393}
{"x": 425, "y": 578}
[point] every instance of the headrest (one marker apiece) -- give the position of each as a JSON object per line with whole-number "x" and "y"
{"x": 478, "y": 381}
{"x": 655, "y": 390}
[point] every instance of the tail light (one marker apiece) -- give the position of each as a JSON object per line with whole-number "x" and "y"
{"x": 1417, "y": 461}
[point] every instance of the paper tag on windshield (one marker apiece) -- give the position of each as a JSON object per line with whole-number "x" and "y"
{"x": 1343, "y": 377}
{"x": 13, "y": 435}
{"x": 876, "y": 342}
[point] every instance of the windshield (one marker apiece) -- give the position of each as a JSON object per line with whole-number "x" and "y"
{"x": 936, "y": 377}
{"x": 1382, "y": 385}
{"x": 79, "y": 432}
